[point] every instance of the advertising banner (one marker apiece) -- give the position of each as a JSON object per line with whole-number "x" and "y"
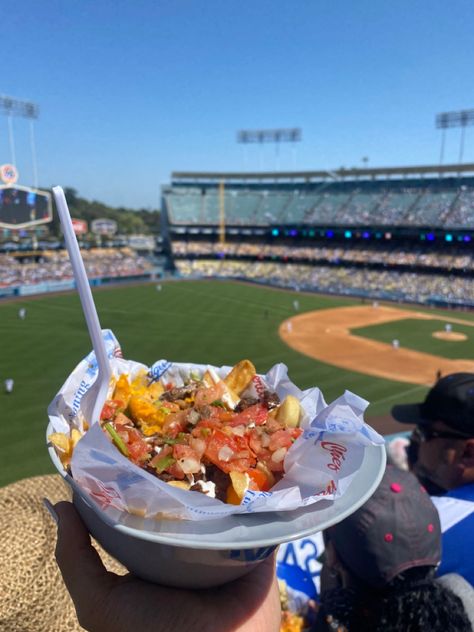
{"x": 8, "y": 291}
{"x": 104, "y": 226}
{"x": 26, "y": 290}
{"x": 80, "y": 226}
{"x": 57, "y": 286}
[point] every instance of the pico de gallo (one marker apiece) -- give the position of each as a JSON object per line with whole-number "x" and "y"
{"x": 209, "y": 435}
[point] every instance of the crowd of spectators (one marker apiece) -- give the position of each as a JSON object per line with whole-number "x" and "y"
{"x": 462, "y": 213}
{"x": 55, "y": 266}
{"x": 407, "y": 206}
{"x": 418, "y": 257}
{"x": 420, "y": 288}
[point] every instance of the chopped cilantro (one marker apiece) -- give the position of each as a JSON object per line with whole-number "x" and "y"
{"x": 161, "y": 465}
{"x": 181, "y": 438}
{"x": 218, "y": 403}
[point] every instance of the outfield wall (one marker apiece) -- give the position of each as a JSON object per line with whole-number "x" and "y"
{"x": 63, "y": 286}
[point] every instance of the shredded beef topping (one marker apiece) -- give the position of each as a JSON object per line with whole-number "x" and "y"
{"x": 244, "y": 403}
{"x": 220, "y": 479}
{"x": 179, "y": 392}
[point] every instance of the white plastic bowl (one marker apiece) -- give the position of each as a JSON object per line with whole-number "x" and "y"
{"x": 201, "y": 554}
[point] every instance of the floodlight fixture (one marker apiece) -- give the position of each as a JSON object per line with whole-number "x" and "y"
{"x": 275, "y": 136}
{"x": 11, "y": 106}
{"x": 283, "y": 135}
{"x": 18, "y": 107}
{"x": 461, "y": 118}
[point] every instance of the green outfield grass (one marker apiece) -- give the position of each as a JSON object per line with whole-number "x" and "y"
{"x": 417, "y": 334}
{"x": 208, "y": 321}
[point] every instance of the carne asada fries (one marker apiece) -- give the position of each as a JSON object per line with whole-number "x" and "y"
{"x": 204, "y": 436}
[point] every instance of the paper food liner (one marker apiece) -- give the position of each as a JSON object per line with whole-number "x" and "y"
{"x": 319, "y": 465}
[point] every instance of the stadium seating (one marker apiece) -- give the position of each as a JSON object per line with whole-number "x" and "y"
{"x": 370, "y": 238}
{"x": 461, "y": 212}
{"x": 430, "y": 208}
{"x": 55, "y": 266}
{"x": 300, "y": 206}
{"x": 407, "y": 287}
{"x": 327, "y": 204}
{"x": 382, "y": 255}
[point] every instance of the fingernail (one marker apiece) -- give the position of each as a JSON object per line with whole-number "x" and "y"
{"x": 51, "y": 510}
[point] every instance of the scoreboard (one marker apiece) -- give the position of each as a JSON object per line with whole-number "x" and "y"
{"x": 22, "y": 207}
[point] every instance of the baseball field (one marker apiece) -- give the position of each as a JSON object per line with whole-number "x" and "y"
{"x": 333, "y": 343}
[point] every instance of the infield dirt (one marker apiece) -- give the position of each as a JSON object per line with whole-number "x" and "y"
{"x": 325, "y": 335}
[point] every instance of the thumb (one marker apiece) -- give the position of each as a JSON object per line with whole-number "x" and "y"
{"x": 81, "y": 567}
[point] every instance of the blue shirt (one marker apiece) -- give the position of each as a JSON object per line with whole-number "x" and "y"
{"x": 301, "y": 554}
{"x": 456, "y": 512}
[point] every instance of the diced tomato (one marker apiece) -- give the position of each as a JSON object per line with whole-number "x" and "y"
{"x": 281, "y": 439}
{"x": 205, "y": 396}
{"x": 206, "y": 424}
{"x": 258, "y": 480}
{"x": 175, "y": 423}
{"x": 217, "y": 413}
{"x": 138, "y": 451}
{"x": 236, "y": 455}
{"x": 256, "y": 414}
{"x": 176, "y": 470}
{"x": 273, "y": 466}
{"x": 296, "y": 432}
{"x": 172, "y": 406}
{"x": 110, "y": 408}
{"x": 122, "y": 420}
{"x": 108, "y": 411}
{"x": 258, "y": 440}
{"x": 134, "y": 435}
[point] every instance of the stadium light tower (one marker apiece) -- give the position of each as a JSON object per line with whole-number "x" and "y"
{"x": 276, "y": 136}
{"x": 462, "y": 119}
{"x": 11, "y": 107}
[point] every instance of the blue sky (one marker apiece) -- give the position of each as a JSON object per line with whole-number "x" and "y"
{"x": 131, "y": 90}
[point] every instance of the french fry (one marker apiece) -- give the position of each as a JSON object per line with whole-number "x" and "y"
{"x": 231, "y": 496}
{"x": 263, "y": 468}
{"x": 64, "y": 445}
{"x": 61, "y": 441}
{"x": 240, "y": 483}
{"x": 179, "y": 484}
{"x": 289, "y": 412}
{"x": 240, "y": 376}
{"x": 75, "y": 436}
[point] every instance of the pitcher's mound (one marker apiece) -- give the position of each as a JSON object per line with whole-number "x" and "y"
{"x": 452, "y": 336}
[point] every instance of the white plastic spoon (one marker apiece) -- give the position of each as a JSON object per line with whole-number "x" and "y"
{"x": 93, "y": 401}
